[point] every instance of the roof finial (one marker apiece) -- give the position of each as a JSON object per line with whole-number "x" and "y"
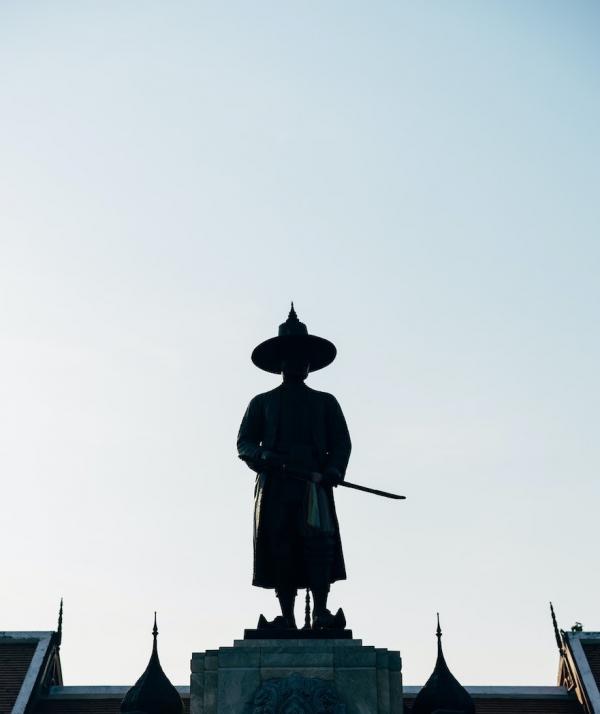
{"x": 556, "y": 630}
{"x": 153, "y": 693}
{"x": 155, "y": 636}
{"x": 59, "y": 630}
{"x": 442, "y": 691}
{"x": 292, "y": 315}
{"x": 438, "y": 634}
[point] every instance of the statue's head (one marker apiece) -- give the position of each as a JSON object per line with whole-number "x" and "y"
{"x": 294, "y": 352}
{"x": 295, "y": 367}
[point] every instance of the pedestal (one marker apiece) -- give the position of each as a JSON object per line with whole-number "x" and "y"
{"x": 305, "y": 676}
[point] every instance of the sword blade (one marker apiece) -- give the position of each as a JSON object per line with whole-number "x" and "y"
{"x": 305, "y": 475}
{"x": 375, "y": 491}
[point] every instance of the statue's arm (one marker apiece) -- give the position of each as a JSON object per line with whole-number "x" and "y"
{"x": 251, "y": 432}
{"x": 339, "y": 445}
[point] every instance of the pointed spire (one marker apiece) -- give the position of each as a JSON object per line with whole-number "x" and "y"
{"x": 557, "y": 636}
{"x": 292, "y": 315}
{"x": 155, "y": 636}
{"x": 153, "y": 693}
{"x": 59, "y": 629}
{"x": 442, "y": 691}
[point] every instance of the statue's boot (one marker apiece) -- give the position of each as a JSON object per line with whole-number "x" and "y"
{"x": 285, "y": 621}
{"x": 322, "y": 617}
{"x": 279, "y": 623}
{"x": 325, "y": 620}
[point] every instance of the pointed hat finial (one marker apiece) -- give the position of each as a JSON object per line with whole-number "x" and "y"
{"x": 293, "y": 326}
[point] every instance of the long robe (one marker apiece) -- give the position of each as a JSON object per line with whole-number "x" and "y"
{"x": 331, "y": 446}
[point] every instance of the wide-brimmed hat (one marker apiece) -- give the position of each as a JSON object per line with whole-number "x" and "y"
{"x": 293, "y": 340}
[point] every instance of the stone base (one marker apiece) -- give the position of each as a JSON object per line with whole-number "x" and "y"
{"x": 314, "y": 676}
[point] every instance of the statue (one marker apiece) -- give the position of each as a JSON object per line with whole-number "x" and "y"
{"x": 296, "y": 440}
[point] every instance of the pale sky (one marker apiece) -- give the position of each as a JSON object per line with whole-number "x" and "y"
{"x": 422, "y": 179}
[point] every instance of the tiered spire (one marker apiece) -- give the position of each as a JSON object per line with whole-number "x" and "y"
{"x": 293, "y": 326}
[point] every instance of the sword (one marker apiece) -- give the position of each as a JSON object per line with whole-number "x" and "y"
{"x": 306, "y": 475}
{"x": 377, "y": 492}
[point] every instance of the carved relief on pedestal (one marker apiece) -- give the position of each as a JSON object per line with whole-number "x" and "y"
{"x": 297, "y": 695}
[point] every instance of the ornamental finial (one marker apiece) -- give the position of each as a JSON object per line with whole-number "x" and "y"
{"x": 556, "y": 630}
{"x": 60, "y": 619}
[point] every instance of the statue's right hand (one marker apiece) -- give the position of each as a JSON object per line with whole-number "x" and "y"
{"x": 272, "y": 458}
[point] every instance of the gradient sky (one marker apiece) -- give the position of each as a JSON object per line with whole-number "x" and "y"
{"x": 423, "y": 180}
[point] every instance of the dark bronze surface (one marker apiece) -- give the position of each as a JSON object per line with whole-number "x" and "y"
{"x": 297, "y": 541}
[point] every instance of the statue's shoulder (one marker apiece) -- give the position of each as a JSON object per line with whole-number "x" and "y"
{"x": 324, "y": 397}
{"x": 265, "y": 397}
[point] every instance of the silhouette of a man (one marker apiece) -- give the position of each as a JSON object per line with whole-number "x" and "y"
{"x": 296, "y": 535}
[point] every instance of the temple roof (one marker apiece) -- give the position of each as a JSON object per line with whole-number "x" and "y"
{"x": 29, "y": 662}
{"x": 513, "y": 700}
{"x": 31, "y": 683}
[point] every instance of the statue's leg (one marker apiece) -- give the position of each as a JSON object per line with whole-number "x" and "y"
{"x": 319, "y": 552}
{"x": 280, "y": 545}
{"x": 320, "y": 594}
{"x": 287, "y": 599}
